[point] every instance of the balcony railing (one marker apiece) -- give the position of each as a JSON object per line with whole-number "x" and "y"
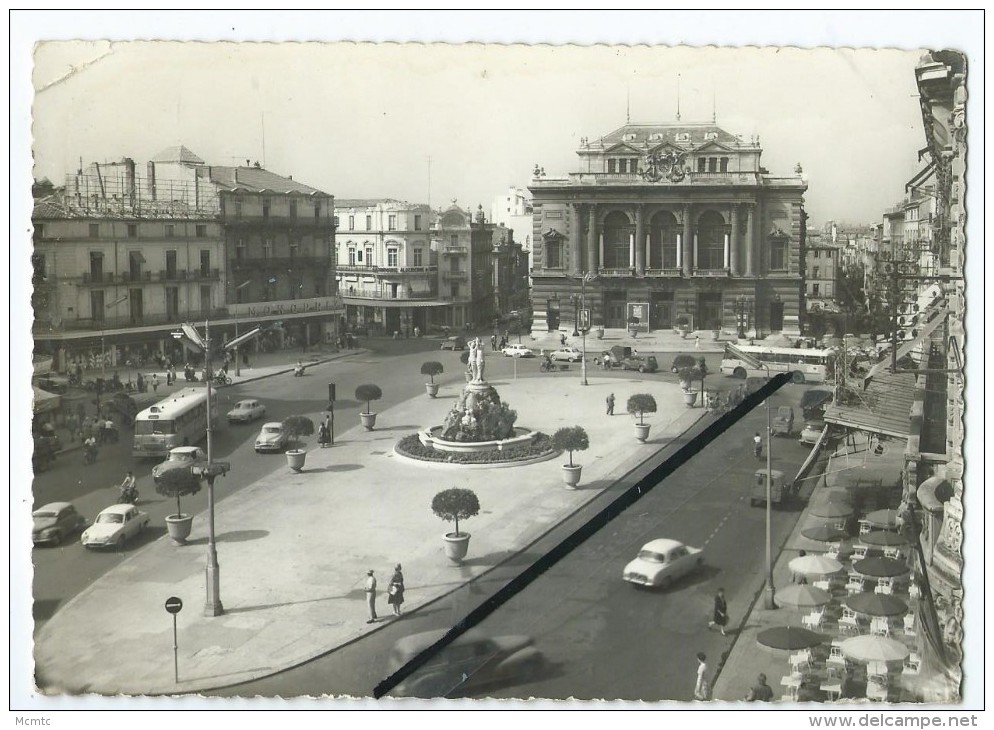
{"x": 616, "y": 272}
{"x": 353, "y": 269}
{"x": 280, "y": 221}
{"x": 711, "y": 272}
{"x": 97, "y": 277}
{"x": 146, "y": 320}
{"x": 456, "y": 250}
{"x": 628, "y": 178}
{"x": 454, "y": 275}
{"x": 184, "y": 275}
{"x": 665, "y": 271}
{"x": 381, "y": 294}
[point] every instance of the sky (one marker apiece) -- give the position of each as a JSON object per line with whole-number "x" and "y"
{"x": 433, "y": 123}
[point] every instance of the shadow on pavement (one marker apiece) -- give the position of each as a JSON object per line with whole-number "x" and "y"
{"x": 234, "y": 536}
{"x": 267, "y": 606}
{"x": 44, "y": 609}
{"x": 338, "y": 467}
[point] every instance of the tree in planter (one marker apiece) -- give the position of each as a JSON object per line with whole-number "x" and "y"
{"x": 296, "y": 427}
{"x": 455, "y": 504}
{"x": 368, "y": 393}
{"x": 178, "y": 483}
{"x": 640, "y": 404}
{"x": 570, "y": 439}
{"x": 431, "y": 369}
{"x": 686, "y": 376}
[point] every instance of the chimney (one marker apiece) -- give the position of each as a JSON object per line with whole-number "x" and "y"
{"x": 248, "y": 163}
{"x": 129, "y": 179}
{"x": 151, "y": 180}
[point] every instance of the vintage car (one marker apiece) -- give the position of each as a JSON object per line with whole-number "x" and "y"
{"x": 811, "y": 432}
{"x": 271, "y": 438}
{"x": 642, "y": 363}
{"x": 783, "y": 421}
{"x": 453, "y": 343}
{"x": 114, "y": 526}
{"x": 180, "y": 457}
{"x": 473, "y": 660}
{"x": 54, "y": 522}
{"x": 246, "y": 411}
{"x": 569, "y": 354}
{"x": 781, "y": 488}
{"x": 661, "y": 562}
{"x": 517, "y": 351}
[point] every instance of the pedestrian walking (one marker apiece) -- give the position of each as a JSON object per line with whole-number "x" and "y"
{"x": 761, "y": 691}
{"x": 324, "y": 432}
{"x": 155, "y": 383}
{"x": 610, "y": 405}
{"x": 697, "y": 342}
{"x": 395, "y": 591}
{"x": 371, "y": 596}
{"x": 719, "y": 616}
{"x": 493, "y": 341}
{"x": 702, "y": 689}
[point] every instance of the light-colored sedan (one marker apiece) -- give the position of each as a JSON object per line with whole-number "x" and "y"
{"x": 661, "y": 562}
{"x": 54, "y": 522}
{"x": 811, "y": 432}
{"x": 271, "y": 439}
{"x": 569, "y": 354}
{"x": 181, "y": 457}
{"x": 114, "y": 526}
{"x": 517, "y": 351}
{"x": 246, "y": 411}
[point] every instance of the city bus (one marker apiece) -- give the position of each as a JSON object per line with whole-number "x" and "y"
{"x": 178, "y": 420}
{"x": 806, "y": 365}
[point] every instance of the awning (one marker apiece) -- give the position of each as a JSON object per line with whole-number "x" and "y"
{"x": 933, "y": 493}
{"x": 883, "y": 408}
{"x": 44, "y": 401}
{"x": 906, "y": 348}
{"x": 924, "y": 174}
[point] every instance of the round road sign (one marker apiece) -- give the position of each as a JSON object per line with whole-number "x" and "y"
{"x": 174, "y": 604}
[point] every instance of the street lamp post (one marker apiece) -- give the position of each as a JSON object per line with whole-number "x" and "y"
{"x": 770, "y": 590}
{"x": 238, "y": 362}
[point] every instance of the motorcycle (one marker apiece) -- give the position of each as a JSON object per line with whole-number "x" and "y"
{"x": 129, "y": 495}
{"x": 551, "y": 366}
{"x": 221, "y": 378}
{"x": 298, "y": 371}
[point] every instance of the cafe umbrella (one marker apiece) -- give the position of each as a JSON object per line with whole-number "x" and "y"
{"x": 789, "y": 638}
{"x": 814, "y": 565}
{"x": 832, "y": 510}
{"x": 883, "y": 538}
{"x": 873, "y": 648}
{"x": 884, "y": 518}
{"x": 823, "y": 533}
{"x": 876, "y": 604}
{"x": 802, "y": 596}
{"x": 880, "y": 567}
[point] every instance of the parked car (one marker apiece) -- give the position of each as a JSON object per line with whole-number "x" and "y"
{"x": 114, "y": 526}
{"x": 682, "y": 361}
{"x": 780, "y": 488}
{"x": 246, "y": 411}
{"x": 54, "y": 522}
{"x": 472, "y": 660}
{"x": 271, "y": 438}
{"x": 517, "y": 351}
{"x": 453, "y": 343}
{"x": 180, "y": 457}
{"x": 660, "y": 562}
{"x": 644, "y": 364}
{"x": 811, "y": 432}
{"x": 569, "y": 354}
{"x": 783, "y": 422}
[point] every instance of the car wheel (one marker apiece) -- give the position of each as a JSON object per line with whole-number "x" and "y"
{"x": 797, "y": 376}
{"x": 739, "y": 373}
{"x": 641, "y": 368}
{"x": 119, "y": 543}
{"x": 57, "y": 540}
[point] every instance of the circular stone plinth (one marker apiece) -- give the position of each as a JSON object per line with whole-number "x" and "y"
{"x": 431, "y": 438}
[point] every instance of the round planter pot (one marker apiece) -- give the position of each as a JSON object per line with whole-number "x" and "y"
{"x": 179, "y": 527}
{"x": 571, "y": 475}
{"x": 295, "y": 459}
{"x": 431, "y": 389}
{"x": 456, "y": 546}
{"x": 690, "y": 397}
{"x": 368, "y": 420}
{"x": 642, "y": 431}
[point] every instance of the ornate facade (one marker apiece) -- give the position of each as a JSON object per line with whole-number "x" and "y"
{"x": 670, "y": 224}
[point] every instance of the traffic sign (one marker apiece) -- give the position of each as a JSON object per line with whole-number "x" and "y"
{"x": 174, "y": 604}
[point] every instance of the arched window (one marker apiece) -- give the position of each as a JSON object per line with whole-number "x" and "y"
{"x": 663, "y": 232}
{"x": 617, "y": 241}
{"x": 711, "y": 230}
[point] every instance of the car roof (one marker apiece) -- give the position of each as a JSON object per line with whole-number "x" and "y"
{"x": 54, "y": 506}
{"x": 416, "y": 643}
{"x": 249, "y": 402}
{"x": 774, "y": 473}
{"x": 184, "y": 450}
{"x": 272, "y": 423}
{"x": 119, "y": 509}
{"x": 662, "y": 545}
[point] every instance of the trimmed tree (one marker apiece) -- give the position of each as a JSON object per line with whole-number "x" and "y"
{"x": 455, "y": 504}
{"x": 640, "y": 404}
{"x": 368, "y": 393}
{"x": 177, "y": 483}
{"x": 431, "y": 369}
{"x": 570, "y": 439}
{"x": 296, "y": 427}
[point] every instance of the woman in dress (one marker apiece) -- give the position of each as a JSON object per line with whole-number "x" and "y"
{"x": 395, "y": 591}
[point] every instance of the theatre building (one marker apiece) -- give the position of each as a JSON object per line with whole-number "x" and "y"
{"x": 669, "y": 225}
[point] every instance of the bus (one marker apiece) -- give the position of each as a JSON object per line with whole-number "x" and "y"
{"x": 806, "y": 365}
{"x": 178, "y": 420}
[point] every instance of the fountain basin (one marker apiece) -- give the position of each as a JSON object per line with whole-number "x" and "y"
{"x": 431, "y": 437}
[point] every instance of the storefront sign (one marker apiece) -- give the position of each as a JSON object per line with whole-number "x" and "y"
{"x": 291, "y": 306}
